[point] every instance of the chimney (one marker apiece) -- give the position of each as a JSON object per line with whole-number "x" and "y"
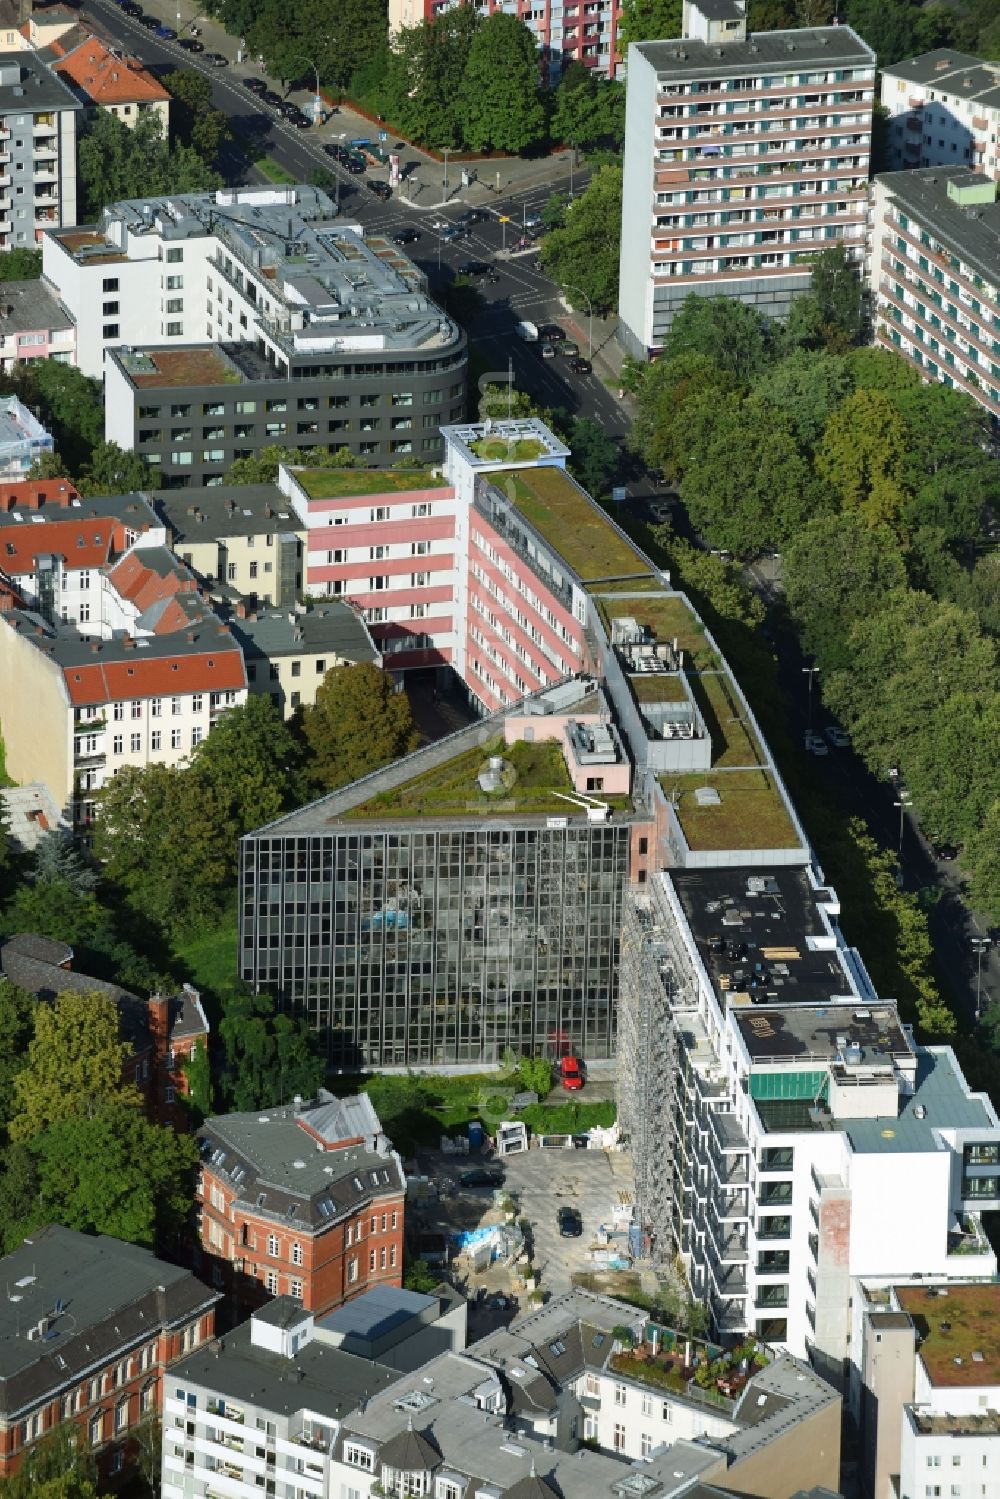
{"x": 129, "y": 643}
{"x": 241, "y": 609}
{"x": 95, "y": 646}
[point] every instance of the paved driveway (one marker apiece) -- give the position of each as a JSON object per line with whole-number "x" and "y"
{"x": 546, "y": 1180}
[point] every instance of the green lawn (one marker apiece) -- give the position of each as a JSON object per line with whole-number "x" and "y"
{"x": 668, "y": 617}
{"x": 209, "y": 963}
{"x": 732, "y": 741}
{"x": 514, "y": 450}
{"x": 274, "y": 171}
{"x": 574, "y": 526}
{"x": 453, "y": 790}
{"x": 658, "y": 687}
{"x": 339, "y": 483}
{"x": 751, "y": 813}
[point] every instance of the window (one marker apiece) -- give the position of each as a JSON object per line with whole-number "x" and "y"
{"x": 175, "y": 738}
{"x": 359, "y": 1457}
{"x": 197, "y": 735}
{"x": 619, "y": 1440}
{"x": 155, "y": 707}
{"x": 175, "y": 706}
{"x": 173, "y": 257}
{"x": 295, "y": 1289}
{"x": 135, "y": 743}
{"x": 646, "y": 1444}
{"x": 174, "y": 330}
{"x": 371, "y": 1260}
{"x": 121, "y": 1414}
{"x": 352, "y": 1269}
{"x": 621, "y": 1392}
{"x": 96, "y": 1429}
{"x": 110, "y": 330}
{"x": 296, "y": 1254}
{"x": 253, "y": 569}
{"x": 271, "y": 1281}
{"x": 110, "y": 309}
{"x": 110, "y": 283}
{"x": 117, "y": 744}
{"x": 118, "y": 712}
{"x": 272, "y": 1246}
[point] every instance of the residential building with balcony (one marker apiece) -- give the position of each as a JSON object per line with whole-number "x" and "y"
{"x": 746, "y": 155}
{"x": 22, "y": 439}
{"x": 935, "y": 276}
{"x": 583, "y": 31}
{"x": 251, "y": 317}
{"x": 242, "y": 541}
{"x": 306, "y": 1201}
{"x": 944, "y": 108}
{"x": 106, "y": 78}
{"x": 928, "y": 1397}
{"x": 38, "y": 131}
{"x": 89, "y": 1329}
{"x": 33, "y": 325}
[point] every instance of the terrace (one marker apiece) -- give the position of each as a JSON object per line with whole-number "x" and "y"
{"x": 177, "y": 367}
{"x": 694, "y": 1370}
{"x": 750, "y": 812}
{"x": 336, "y": 484}
{"x": 956, "y": 1331}
{"x": 570, "y": 524}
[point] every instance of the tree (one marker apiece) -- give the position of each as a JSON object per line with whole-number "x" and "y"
{"x": 48, "y": 466}
{"x": 74, "y": 1064}
{"x": 951, "y": 475}
{"x": 499, "y": 402}
{"x": 583, "y": 255}
{"x": 52, "y": 908}
{"x": 747, "y": 485}
{"x": 982, "y": 856}
{"x": 535, "y": 1075}
{"x": 167, "y": 841}
{"x": 71, "y": 408}
{"x": 114, "y": 1172}
{"x": 808, "y": 387}
{"x": 594, "y": 456}
{"x": 418, "y": 1276}
{"x": 886, "y": 25}
{"x": 358, "y": 723}
{"x": 251, "y": 762}
{"x": 20, "y": 265}
{"x": 862, "y": 456}
{"x": 660, "y": 432}
{"x": 112, "y": 470}
{"x": 17, "y": 1024}
{"x": 587, "y": 111}
{"x": 424, "y": 76}
{"x": 499, "y": 107}
{"x": 56, "y": 857}
{"x": 194, "y": 120}
{"x": 878, "y": 369}
{"x": 836, "y": 293}
{"x": 734, "y": 336}
{"x": 58, "y": 1466}
{"x": 270, "y": 1057}
{"x": 837, "y": 569}
{"x": 649, "y": 20}
{"x": 949, "y": 773}
{"x": 117, "y": 162}
{"x": 20, "y": 1209}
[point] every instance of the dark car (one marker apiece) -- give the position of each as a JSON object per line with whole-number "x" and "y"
{"x": 551, "y": 332}
{"x": 331, "y": 150}
{"x": 473, "y": 216}
{"x": 381, "y": 190}
{"x": 945, "y": 852}
{"x": 130, "y": 8}
{"x": 271, "y": 98}
{"x": 570, "y": 1223}
{"x": 150, "y": 22}
{"x": 480, "y": 1176}
{"x": 255, "y": 85}
{"x": 300, "y": 120}
{"x": 581, "y": 366}
{"x": 191, "y": 44}
{"x": 217, "y": 60}
{"x": 406, "y": 236}
{"x": 355, "y": 164}
{"x": 474, "y": 268}
{"x": 166, "y": 33}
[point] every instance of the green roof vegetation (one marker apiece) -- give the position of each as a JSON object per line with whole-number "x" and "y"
{"x": 663, "y": 687}
{"x": 452, "y": 789}
{"x": 513, "y": 449}
{"x": 577, "y": 530}
{"x": 342, "y": 483}
{"x": 955, "y": 1327}
{"x": 733, "y": 743}
{"x": 751, "y": 812}
{"x": 668, "y": 617}
{"x": 650, "y": 584}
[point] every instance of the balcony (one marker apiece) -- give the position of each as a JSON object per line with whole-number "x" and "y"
{"x": 730, "y": 1206}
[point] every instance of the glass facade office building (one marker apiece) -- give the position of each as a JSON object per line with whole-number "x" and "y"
{"x": 423, "y": 944}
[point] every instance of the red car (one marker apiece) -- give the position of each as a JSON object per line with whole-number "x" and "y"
{"x": 571, "y": 1074}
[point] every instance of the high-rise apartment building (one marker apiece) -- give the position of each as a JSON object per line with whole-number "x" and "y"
{"x": 944, "y": 109}
{"x": 38, "y": 129}
{"x": 935, "y": 276}
{"x": 745, "y": 156}
{"x": 583, "y": 31}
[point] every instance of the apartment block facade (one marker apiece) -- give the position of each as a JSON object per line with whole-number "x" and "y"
{"x": 746, "y": 155}
{"x": 33, "y": 325}
{"x": 944, "y": 108}
{"x": 935, "y": 276}
{"x": 583, "y": 31}
{"x": 38, "y": 130}
{"x": 238, "y": 539}
{"x": 306, "y": 1202}
{"x": 91, "y": 1327}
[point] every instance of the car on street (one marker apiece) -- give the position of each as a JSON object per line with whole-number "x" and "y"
{"x": 659, "y": 510}
{"x": 453, "y": 231}
{"x": 532, "y": 221}
{"x": 474, "y": 268}
{"x": 838, "y": 737}
{"x": 150, "y": 22}
{"x": 192, "y": 44}
{"x": 581, "y": 366}
{"x": 406, "y": 236}
{"x": 548, "y": 351}
{"x": 569, "y": 349}
{"x": 474, "y": 216}
{"x": 271, "y": 98}
{"x": 289, "y": 110}
{"x": 381, "y": 190}
{"x": 815, "y": 744}
{"x": 551, "y": 332}
{"x": 481, "y": 1176}
{"x": 332, "y": 150}
{"x": 130, "y": 8}
{"x": 216, "y": 60}
{"x": 355, "y": 163}
{"x": 944, "y": 852}
{"x": 571, "y": 1073}
{"x": 255, "y": 85}
{"x": 570, "y": 1223}
{"x": 166, "y": 33}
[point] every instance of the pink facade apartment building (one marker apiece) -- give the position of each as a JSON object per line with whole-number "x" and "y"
{"x": 584, "y": 31}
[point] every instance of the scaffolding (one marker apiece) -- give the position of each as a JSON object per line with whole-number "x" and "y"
{"x": 657, "y": 983}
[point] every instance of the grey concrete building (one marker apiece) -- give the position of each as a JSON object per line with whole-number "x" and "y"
{"x": 38, "y": 127}
{"x": 745, "y": 156}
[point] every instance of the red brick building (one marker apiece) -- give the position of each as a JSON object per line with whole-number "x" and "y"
{"x": 305, "y": 1201}
{"x": 88, "y": 1328}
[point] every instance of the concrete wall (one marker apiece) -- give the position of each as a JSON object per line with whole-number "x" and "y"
{"x": 36, "y": 720}
{"x": 634, "y": 282}
{"x": 807, "y": 1456}
{"x": 887, "y": 1374}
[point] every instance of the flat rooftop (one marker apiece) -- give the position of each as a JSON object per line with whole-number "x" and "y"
{"x": 957, "y": 1331}
{"x": 829, "y": 46}
{"x": 575, "y": 528}
{"x": 952, "y": 72}
{"x": 942, "y": 1100}
{"x": 320, "y": 1378}
{"x": 332, "y": 626}
{"x": 810, "y": 1034}
{"x": 970, "y": 232}
{"x": 203, "y": 365}
{"x": 345, "y": 483}
{"x": 27, "y": 84}
{"x": 379, "y": 1311}
{"x": 780, "y": 924}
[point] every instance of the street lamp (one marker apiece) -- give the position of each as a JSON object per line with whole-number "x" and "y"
{"x": 317, "y": 102}
{"x": 902, "y": 804}
{"x": 444, "y": 197}
{"x": 590, "y": 318}
{"x": 810, "y": 672}
{"x": 981, "y": 945}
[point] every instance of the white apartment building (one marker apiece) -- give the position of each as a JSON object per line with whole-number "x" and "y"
{"x": 944, "y": 109}
{"x": 38, "y": 130}
{"x": 745, "y": 156}
{"x": 804, "y": 1118}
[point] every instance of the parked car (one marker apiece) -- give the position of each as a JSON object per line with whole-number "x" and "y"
{"x": 482, "y": 1176}
{"x": 945, "y": 852}
{"x": 130, "y": 8}
{"x": 838, "y": 737}
{"x": 381, "y": 190}
{"x": 570, "y": 1223}
{"x": 548, "y": 351}
{"x": 166, "y": 33}
{"x": 581, "y": 366}
{"x": 150, "y": 22}
{"x": 552, "y": 332}
{"x": 255, "y": 85}
{"x": 300, "y": 120}
{"x": 815, "y": 744}
{"x": 216, "y": 60}
{"x": 474, "y": 268}
{"x": 569, "y": 349}
{"x": 355, "y": 163}
{"x": 271, "y": 98}
{"x": 571, "y": 1073}
{"x": 191, "y": 44}
{"x": 406, "y": 236}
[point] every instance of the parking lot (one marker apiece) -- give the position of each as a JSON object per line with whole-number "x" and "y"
{"x": 543, "y": 1181}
